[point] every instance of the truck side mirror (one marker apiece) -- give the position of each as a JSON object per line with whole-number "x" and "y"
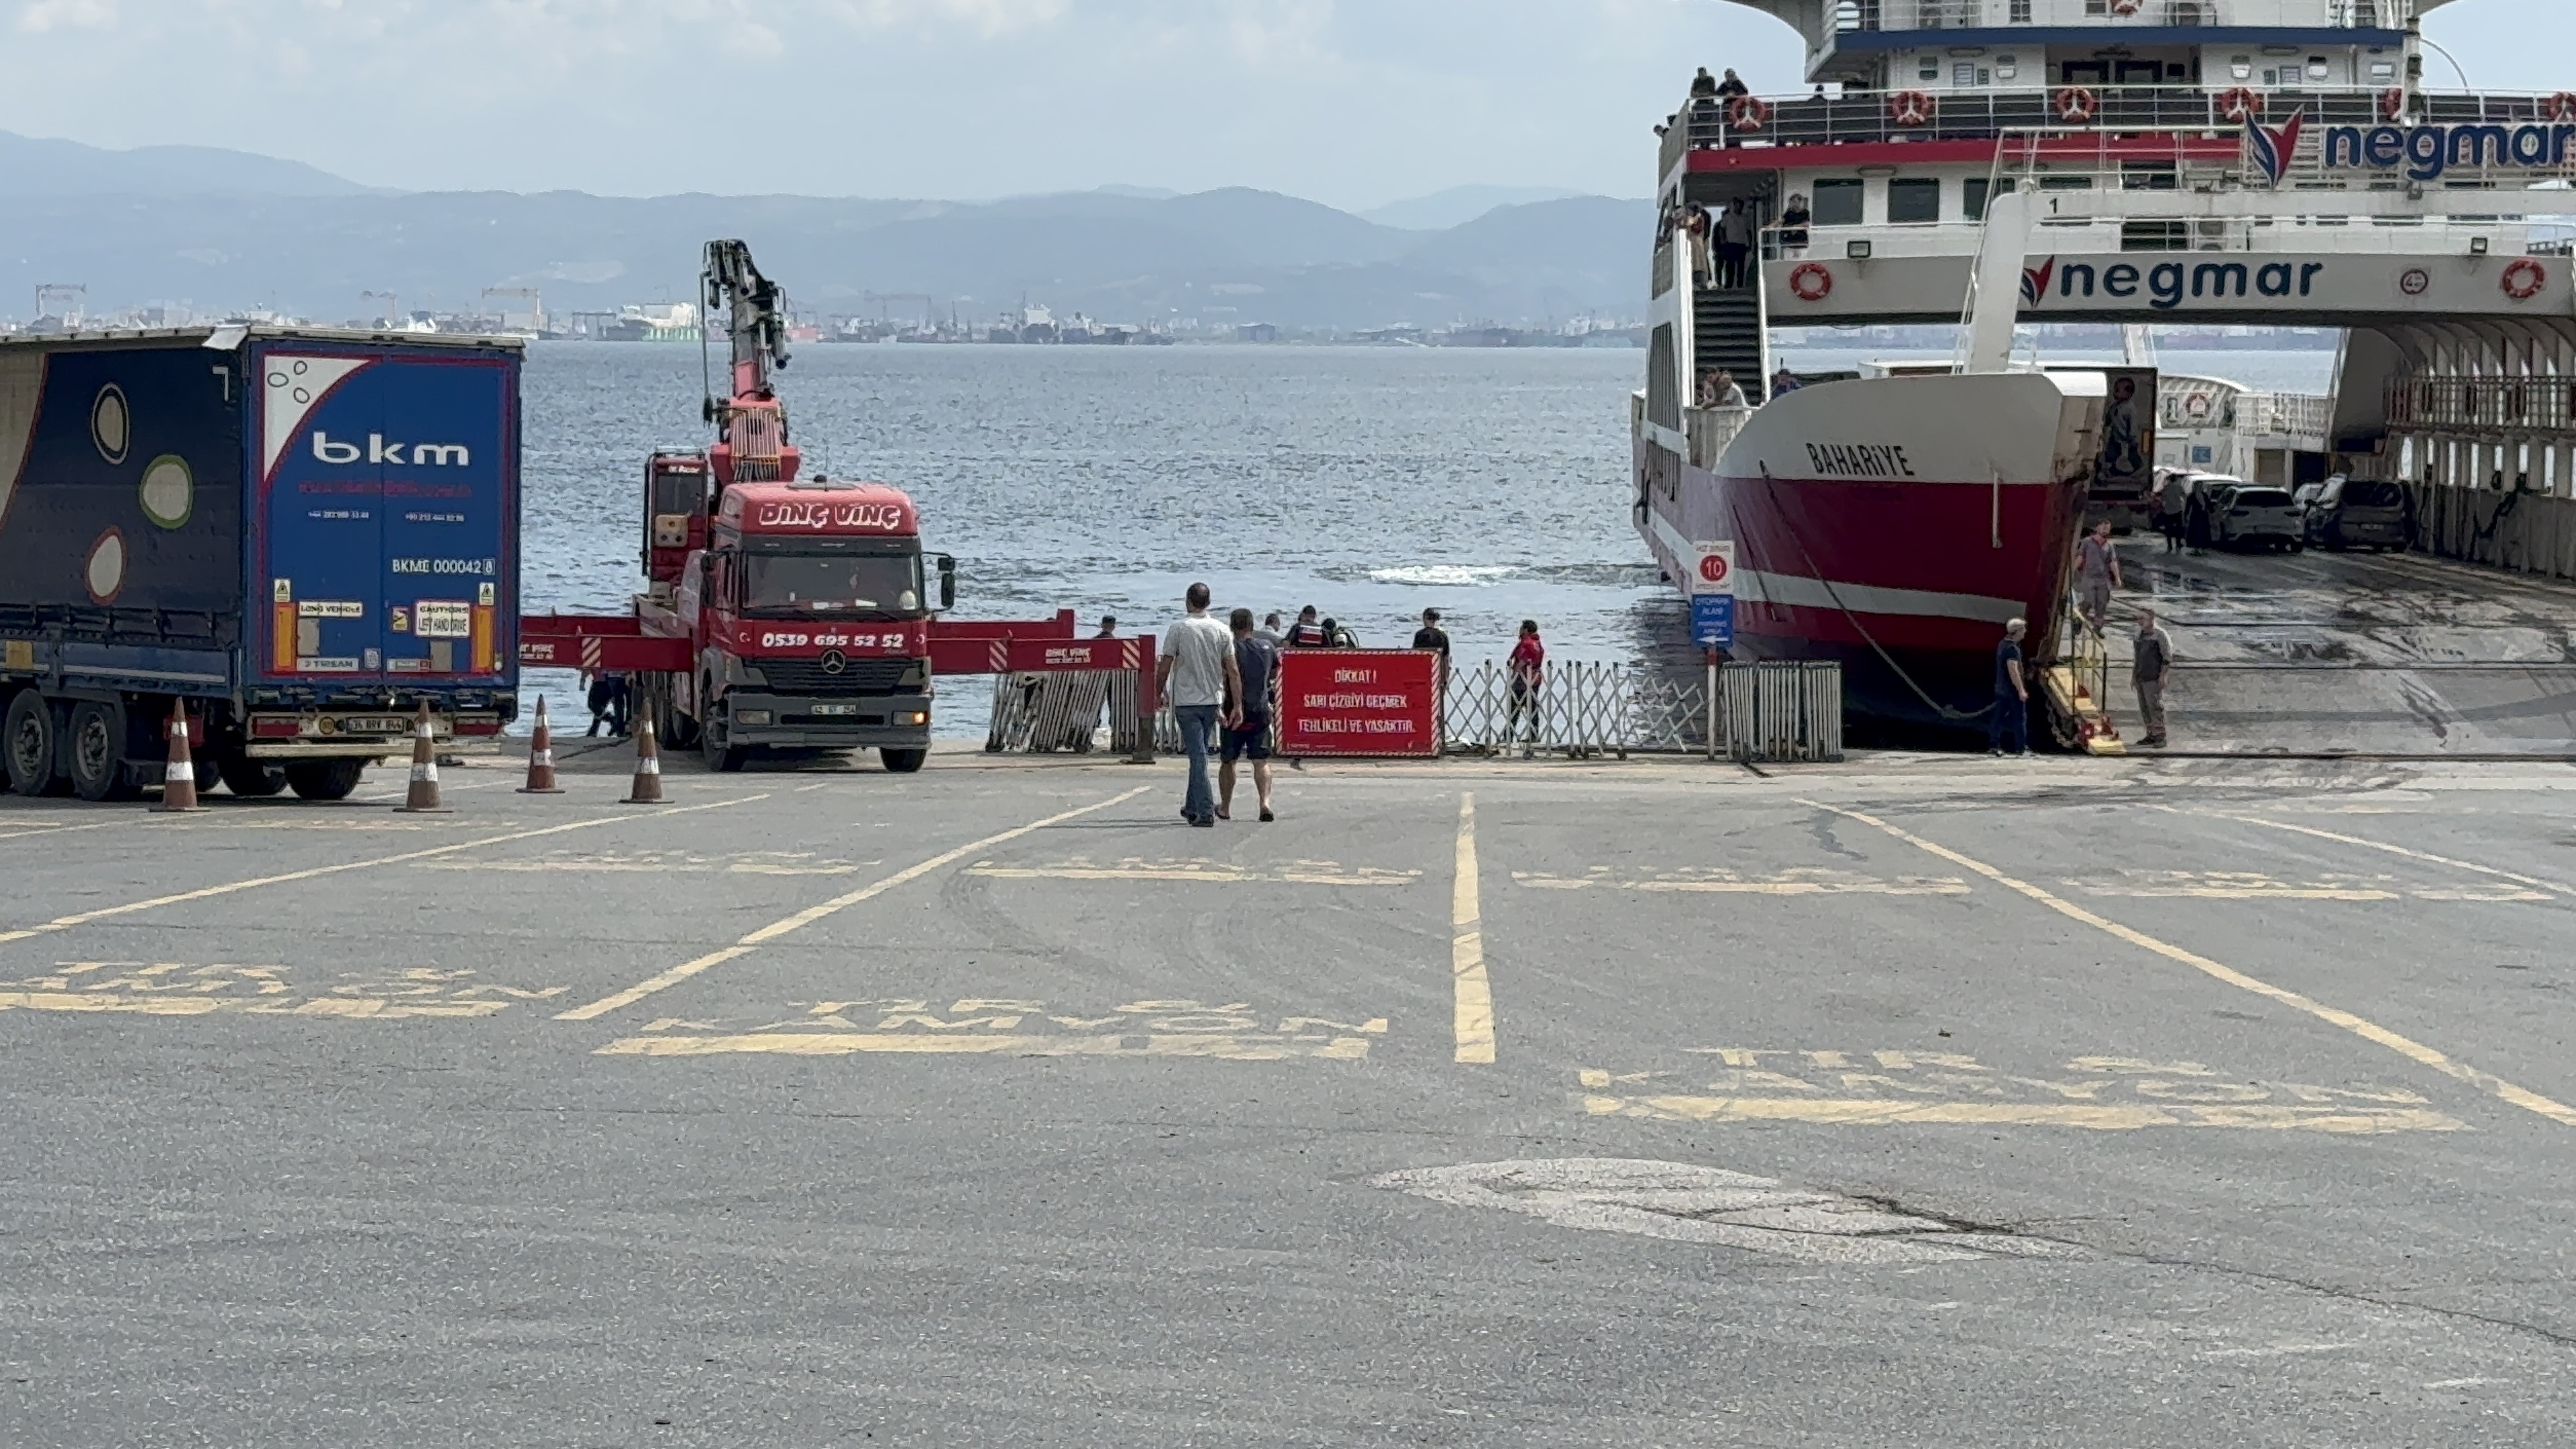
{"x": 947, "y": 582}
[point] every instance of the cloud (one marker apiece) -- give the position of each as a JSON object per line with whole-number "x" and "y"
{"x": 41, "y": 16}
{"x": 987, "y": 18}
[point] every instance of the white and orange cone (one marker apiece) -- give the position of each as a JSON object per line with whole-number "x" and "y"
{"x": 179, "y": 777}
{"x": 422, "y": 797}
{"x": 541, "y": 758}
{"x": 648, "y": 767}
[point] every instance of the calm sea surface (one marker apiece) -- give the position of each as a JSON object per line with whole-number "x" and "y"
{"x": 1369, "y": 482}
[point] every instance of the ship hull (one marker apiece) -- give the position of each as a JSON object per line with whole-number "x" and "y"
{"x": 1892, "y": 524}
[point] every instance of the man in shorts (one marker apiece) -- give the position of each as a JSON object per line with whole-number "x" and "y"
{"x": 1247, "y": 721}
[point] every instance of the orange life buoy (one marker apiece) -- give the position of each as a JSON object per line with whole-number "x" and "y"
{"x": 1911, "y": 108}
{"x": 2524, "y": 279}
{"x": 1748, "y": 113}
{"x": 1812, "y": 281}
{"x": 2561, "y": 107}
{"x": 2076, "y": 104}
{"x": 2392, "y": 102}
{"x": 2240, "y": 105}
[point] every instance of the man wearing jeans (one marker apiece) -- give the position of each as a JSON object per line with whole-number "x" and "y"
{"x": 1197, "y": 674}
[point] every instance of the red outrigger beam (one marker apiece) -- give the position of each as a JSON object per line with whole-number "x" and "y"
{"x": 599, "y": 642}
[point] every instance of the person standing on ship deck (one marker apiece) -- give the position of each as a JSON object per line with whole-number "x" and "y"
{"x": 2012, "y": 696}
{"x": 1695, "y": 231}
{"x": 1730, "y": 393}
{"x": 1196, "y": 673}
{"x": 1794, "y": 220}
{"x": 2097, "y": 573}
{"x": 1734, "y": 243}
{"x": 1730, "y": 87}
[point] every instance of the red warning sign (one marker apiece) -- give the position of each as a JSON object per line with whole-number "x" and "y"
{"x": 1358, "y": 702}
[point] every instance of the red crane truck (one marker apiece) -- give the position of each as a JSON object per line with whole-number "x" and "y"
{"x": 777, "y": 611}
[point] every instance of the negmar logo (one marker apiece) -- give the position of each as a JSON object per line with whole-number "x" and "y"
{"x": 2270, "y": 149}
{"x": 2167, "y": 286}
{"x": 426, "y": 455}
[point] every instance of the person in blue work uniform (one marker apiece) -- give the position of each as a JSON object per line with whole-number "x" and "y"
{"x": 2011, "y": 722}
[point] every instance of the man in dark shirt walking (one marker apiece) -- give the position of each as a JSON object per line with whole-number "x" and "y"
{"x": 2011, "y": 723}
{"x": 2151, "y": 665}
{"x": 1247, "y": 724}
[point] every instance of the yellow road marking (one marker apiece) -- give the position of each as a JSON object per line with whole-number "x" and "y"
{"x": 811, "y": 914}
{"x": 1802, "y": 882}
{"x": 241, "y": 1005}
{"x": 2097, "y": 1117}
{"x": 22, "y": 832}
{"x": 1474, "y": 1025}
{"x": 2405, "y": 1046}
{"x": 810, "y": 1044}
{"x": 1318, "y": 873}
{"x": 2468, "y": 865}
{"x": 65, "y": 923}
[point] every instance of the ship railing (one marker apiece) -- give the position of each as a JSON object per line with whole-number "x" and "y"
{"x": 2361, "y": 235}
{"x": 1782, "y": 710}
{"x": 2116, "y": 112}
{"x": 2485, "y": 403}
{"x": 1711, "y": 431}
{"x": 1908, "y": 15}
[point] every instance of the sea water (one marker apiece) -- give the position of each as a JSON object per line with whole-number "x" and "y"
{"x": 1370, "y": 482}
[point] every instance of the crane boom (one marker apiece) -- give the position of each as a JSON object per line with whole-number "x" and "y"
{"x": 751, "y": 425}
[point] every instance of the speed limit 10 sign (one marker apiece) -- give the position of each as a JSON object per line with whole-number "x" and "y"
{"x": 1713, "y": 568}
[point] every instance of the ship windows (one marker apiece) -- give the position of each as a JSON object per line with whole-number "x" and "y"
{"x": 2008, "y": 66}
{"x": 2020, "y": 14}
{"x": 2241, "y": 67}
{"x": 1927, "y": 67}
{"x": 1913, "y": 199}
{"x": 1973, "y": 194}
{"x": 2382, "y": 71}
{"x": 2317, "y": 67}
{"x": 1838, "y": 200}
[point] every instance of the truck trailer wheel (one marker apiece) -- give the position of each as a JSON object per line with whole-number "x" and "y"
{"x": 324, "y": 779}
{"x": 902, "y": 762}
{"x": 98, "y": 752}
{"x": 28, "y": 738}
{"x": 250, "y": 779}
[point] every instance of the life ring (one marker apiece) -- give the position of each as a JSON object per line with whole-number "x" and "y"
{"x": 1812, "y": 281}
{"x": 1748, "y": 113}
{"x": 2392, "y": 102}
{"x": 2524, "y": 279}
{"x": 2199, "y": 407}
{"x": 2075, "y": 104}
{"x": 2240, "y": 105}
{"x": 1911, "y": 108}
{"x": 2561, "y": 107}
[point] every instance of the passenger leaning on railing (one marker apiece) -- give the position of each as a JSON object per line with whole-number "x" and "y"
{"x": 1792, "y": 230}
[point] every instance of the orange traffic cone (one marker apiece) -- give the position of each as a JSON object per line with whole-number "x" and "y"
{"x": 648, "y": 767}
{"x": 541, "y": 758}
{"x": 422, "y": 798}
{"x": 179, "y": 777}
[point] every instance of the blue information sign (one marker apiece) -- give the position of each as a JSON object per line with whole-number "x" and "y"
{"x": 1713, "y": 621}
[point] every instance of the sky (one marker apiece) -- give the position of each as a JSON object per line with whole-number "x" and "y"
{"x": 1351, "y": 102}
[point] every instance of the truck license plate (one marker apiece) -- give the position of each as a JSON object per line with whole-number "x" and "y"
{"x": 377, "y": 725}
{"x": 836, "y": 709}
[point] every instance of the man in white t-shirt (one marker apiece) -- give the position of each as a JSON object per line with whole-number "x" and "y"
{"x": 1197, "y": 673}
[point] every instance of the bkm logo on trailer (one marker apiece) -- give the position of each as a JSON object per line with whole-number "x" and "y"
{"x": 425, "y": 455}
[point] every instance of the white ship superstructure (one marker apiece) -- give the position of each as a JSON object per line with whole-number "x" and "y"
{"x": 2205, "y": 162}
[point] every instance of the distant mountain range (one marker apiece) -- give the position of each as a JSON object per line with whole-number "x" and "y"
{"x": 225, "y": 229}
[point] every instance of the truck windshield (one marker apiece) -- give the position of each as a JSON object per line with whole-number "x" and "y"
{"x": 807, "y": 585}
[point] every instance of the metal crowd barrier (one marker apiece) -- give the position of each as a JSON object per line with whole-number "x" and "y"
{"x": 1783, "y": 711}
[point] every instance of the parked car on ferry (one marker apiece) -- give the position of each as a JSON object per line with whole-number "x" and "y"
{"x": 2250, "y": 514}
{"x": 2357, "y": 513}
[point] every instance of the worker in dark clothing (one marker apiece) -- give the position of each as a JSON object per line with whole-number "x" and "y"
{"x": 1730, "y": 87}
{"x": 1308, "y": 632}
{"x": 2011, "y": 722}
{"x": 1704, "y": 85}
{"x": 2151, "y": 666}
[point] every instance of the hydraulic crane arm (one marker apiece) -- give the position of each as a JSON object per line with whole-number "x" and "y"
{"x": 751, "y": 424}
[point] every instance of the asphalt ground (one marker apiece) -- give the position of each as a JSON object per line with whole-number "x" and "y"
{"x": 1915, "y": 1101}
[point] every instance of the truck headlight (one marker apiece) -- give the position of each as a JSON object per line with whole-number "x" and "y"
{"x": 751, "y": 716}
{"x": 916, "y": 717}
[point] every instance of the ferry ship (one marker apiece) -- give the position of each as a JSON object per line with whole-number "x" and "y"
{"x": 1993, "y": 162}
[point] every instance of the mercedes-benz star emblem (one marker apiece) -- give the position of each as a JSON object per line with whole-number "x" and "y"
{"x": 834, "y": 661}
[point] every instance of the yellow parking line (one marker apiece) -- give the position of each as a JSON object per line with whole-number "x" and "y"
{"x": 811, "y": 914}
{"x": 813, "y": 1044}
{"x": 2468, "y": 865}
{"x": 18, "y": 831}
{"x": 2405, "y": 1046}
{"x": 65, "y": 923}
{"x": 1474, "y": 1026}
{"x": 2101, "y": 1117}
